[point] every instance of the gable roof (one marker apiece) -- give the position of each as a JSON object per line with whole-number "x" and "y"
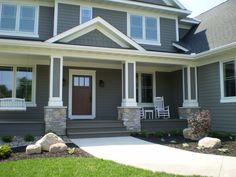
{"x": 96, "y": 24}
{"x": 217, "y": 28}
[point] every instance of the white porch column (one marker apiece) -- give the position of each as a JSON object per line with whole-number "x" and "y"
{"x": 129, "y": 84}
{"x": 56, "y": 75}
{"x": 190, "y": 94}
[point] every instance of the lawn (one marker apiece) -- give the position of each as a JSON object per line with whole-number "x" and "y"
{"x": 72, "y": 167}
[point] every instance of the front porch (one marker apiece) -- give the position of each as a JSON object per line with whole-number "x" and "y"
{"x": 114, "y": 83}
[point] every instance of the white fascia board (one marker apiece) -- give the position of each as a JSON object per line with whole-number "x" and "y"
{"x": 101, "y": 25}
{"x": 180, "y": 47}
{"x": 194, "y": 21}
{"x": 157, "y": 7}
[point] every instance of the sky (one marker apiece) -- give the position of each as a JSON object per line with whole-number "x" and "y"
{"x": 199, "y": 6}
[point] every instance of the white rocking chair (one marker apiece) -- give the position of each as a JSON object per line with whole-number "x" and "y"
{"x": 161, "y": 110}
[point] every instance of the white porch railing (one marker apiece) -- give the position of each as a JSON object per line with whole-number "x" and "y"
{"x": 12, "y": 104}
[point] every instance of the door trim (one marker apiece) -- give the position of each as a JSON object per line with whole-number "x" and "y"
{"x": 91, "y": 73}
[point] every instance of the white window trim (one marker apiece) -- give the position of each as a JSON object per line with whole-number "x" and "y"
{"x": 91, "y": 73}
{"x": 140, "y": 103}
{"x": 34, "y": 69}
{"x": 143, "y": 40}
{"x": 80, "y": 15}
{"x": 224, "y": 99}
{"x": 17, "y": 31}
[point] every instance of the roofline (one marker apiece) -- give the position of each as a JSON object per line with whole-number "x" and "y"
{"x": 92, "y": 23}
{"x": 128, "y": 52}
{"x": 179, "y": 4}
{"x": 180, "y": 47}
{"x": 152, "y": 6}
{"x": 194, "y": 21}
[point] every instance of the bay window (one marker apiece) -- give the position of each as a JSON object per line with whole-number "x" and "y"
{"x": 17, "y": 82}
{"x": 144, "y": 29}
{"x": 19, "y": 20}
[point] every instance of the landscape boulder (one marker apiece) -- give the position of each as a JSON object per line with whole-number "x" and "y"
{"x": 48, "y": 140}
{"x": 33, "y": 149}
{"x": 189, "y": 133}
{"x": 208, "y": 142}
{"x": 58, "y": 147}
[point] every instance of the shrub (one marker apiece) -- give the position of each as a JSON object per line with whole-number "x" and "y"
{"x": 222, "y": 135}
{"x": 176, "y": 132}
{"x": 160, "y": 134}
{"x": 71, "y": 151}
{"x": 29, "y": 137}
{"x": 144, "y": 133}
{"x": 200, "y": 122}
{"x": 7, "y": 138}
{"x": 5, "y": 151}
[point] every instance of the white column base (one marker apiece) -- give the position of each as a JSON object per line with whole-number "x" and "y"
{"x": 127, "y": 103}
{"x": 190, "y": 104}
{"x": 55, "y": 102}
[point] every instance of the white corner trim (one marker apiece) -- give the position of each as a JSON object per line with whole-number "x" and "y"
{"x": 180, "y": 47}
{"x": 91, "y": 73}
{"x": 100, "y": 24}
{"x": 177, "y": 29}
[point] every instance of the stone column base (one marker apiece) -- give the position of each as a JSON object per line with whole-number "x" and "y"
{"x": 55, "y": 119}
{"x": 130, "y": 117}
{"x": 188, "y": 112}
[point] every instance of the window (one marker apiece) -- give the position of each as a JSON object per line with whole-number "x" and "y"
{"x": 82, "y": 81}
{"x": 85, "y": 14}
{"x": 16, "y": 82}
{"x": 19, "y": 20}
{"x": 229, "y": 70}
{"x": 144, "y": 29}
{"x": 144, "y": 88}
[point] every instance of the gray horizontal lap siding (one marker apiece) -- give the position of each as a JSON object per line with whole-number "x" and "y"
{"x": 45, "y": 28}
{"x": 168, "y": 35}
{"x": 169, "y": 85}
{"x": 68, "y": 17}
{"x": 33, "y": 118}
{"x": 108, "y": 98}
{"x": 223, "y": 115}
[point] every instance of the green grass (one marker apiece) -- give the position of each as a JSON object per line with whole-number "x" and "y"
{"x": 72, "y": 167}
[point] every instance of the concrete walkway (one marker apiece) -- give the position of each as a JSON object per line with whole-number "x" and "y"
{"x": 142, "y": 154}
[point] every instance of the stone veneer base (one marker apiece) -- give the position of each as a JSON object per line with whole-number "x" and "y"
{"x": 187, "y": 112}
{"x": 130, "y": 117}
{"x": 55, "y": 119}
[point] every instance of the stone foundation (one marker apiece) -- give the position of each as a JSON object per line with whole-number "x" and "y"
{"x": 187, "y": 112}
{"x": 55, "y": 120}
{"x": 130, "y": 117}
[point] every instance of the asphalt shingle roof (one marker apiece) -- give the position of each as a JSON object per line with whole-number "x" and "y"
{"x": 217, "y": 28}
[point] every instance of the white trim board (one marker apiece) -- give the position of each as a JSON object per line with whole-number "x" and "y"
{"x": 101, "y": 25}
{"x": 180, "y": 47}
{"x": 91, "y": 73}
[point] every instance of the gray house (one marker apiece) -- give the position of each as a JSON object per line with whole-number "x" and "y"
{"x": 85, "y": 68}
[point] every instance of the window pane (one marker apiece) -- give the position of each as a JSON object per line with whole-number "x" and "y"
{"x": 229, "y": 79}
{"x": 87, "y": 82}
{"x": 147, "y": 88}
{"x": 136, "y": 28}
{"x": 8, "y": 17}
{"x": 151, "y": 28}
{"x": 24, "y": 83}
{"x": 6, "y": 82}
{"x": 81, "y": 81}
{"x": 86, "y": 14}
{"x": 27, "y": 18}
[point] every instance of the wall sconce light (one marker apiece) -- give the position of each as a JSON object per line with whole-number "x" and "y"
{"x": 101, "y": 83}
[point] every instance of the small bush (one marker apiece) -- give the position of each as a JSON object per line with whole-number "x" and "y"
{"x": 160, "y": 134}
{"x": 71, "y": 151}
{"x": 7, "y": 138}
{"x": 200, "y": 122}
{"x": 175, "y": 132}
{"x": 144, "y": 133}
{"x": 5, "y": 151}
{"x": 222, "y": 135}
{"x": 29, "y": 137}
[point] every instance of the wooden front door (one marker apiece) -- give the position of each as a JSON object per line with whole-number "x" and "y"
{"x": 81, "y": 95}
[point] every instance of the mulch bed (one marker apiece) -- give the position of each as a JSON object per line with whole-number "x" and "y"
{"x": 226, "y": 144}
{"x": 19, "y": 154}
